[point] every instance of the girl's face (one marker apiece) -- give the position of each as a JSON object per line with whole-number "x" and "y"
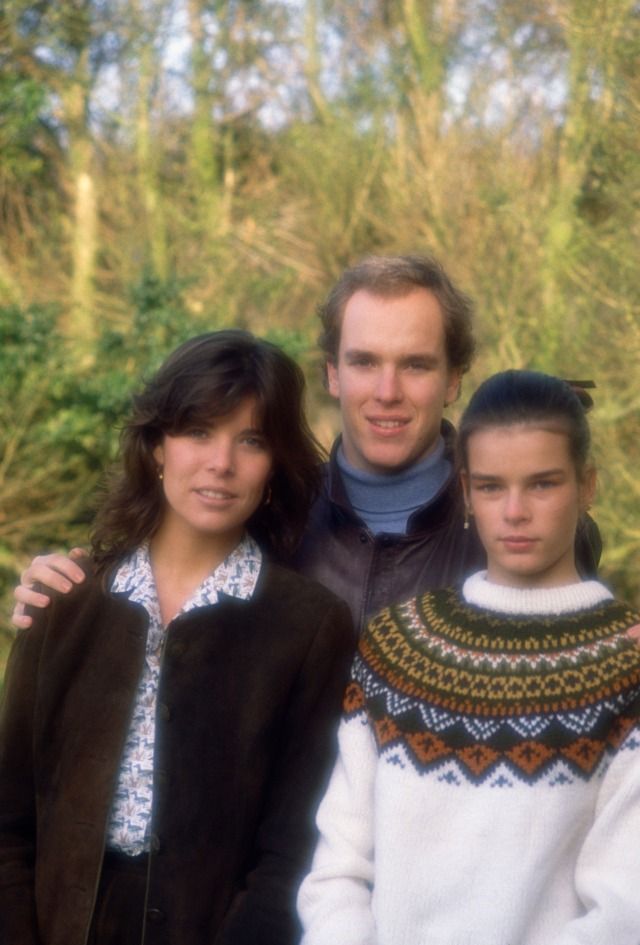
{"x": 214, "y": 477}
{"x": 522, "y": 487}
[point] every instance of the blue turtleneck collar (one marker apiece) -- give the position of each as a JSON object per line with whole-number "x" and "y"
{"x": 385, "y": 501}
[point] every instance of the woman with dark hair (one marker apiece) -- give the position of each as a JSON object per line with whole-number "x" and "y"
{"x": 206, "y": 377}
{"x": 487, "y": 788}
{"x": 166, "y": 726}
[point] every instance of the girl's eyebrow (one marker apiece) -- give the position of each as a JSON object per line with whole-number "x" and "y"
{"x": 546, "y": 473}
{"x": 537, "y": 474}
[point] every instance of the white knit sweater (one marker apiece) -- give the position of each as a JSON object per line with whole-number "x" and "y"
{"x": 487, "y": 789}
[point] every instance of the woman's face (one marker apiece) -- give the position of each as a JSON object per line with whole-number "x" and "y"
{"x": 215, "y": 476}
{"x": 523, "y": 490}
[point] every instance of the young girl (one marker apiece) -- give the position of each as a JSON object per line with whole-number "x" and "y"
{"x": 487, "y": 790}
{"x": 167, "y": 725}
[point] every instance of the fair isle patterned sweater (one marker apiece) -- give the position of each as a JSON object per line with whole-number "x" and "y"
{"x": 487, "y": 788}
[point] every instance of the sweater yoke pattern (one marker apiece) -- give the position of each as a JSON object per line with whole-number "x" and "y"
{"x": 471, "y": 696}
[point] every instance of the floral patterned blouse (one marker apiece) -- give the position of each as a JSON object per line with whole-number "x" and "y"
{"x": 130, "y": 818}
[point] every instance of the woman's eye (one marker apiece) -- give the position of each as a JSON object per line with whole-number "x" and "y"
{"x": 255, "y": 442}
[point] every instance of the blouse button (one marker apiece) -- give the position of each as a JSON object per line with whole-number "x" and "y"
{"x": 164, "y": 712}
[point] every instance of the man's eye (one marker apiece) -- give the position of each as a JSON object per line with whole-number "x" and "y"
{"x": 545, "y": 484}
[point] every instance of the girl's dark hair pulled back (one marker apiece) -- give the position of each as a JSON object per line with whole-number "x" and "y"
{"x": 529, "y": 397}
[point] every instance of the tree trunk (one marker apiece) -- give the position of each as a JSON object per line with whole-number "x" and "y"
{"x": 79, "y": 322}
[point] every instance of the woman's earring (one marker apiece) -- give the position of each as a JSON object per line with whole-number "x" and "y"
{"x": 467, "y": 515}
{"x": 268, "y": 497}
{"x": 160, "y": 473}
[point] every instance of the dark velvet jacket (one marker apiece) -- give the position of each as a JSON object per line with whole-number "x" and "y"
{"x": 248, "y": 701}
{"x": 371, "y": 571}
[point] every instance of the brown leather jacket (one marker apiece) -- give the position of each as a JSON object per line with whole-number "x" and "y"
{"x": 371, "y": 571}
{"x": 249, "y": 697}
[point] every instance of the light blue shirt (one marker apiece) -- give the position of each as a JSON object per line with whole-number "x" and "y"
{"x": 385, "y": 501}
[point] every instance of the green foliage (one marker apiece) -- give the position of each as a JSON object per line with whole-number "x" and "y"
{"x": 47, "y": 470}
{"x": 21, "y": 103}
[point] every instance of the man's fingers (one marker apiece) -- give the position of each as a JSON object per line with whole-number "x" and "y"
{"x": 27, "y": 595}
{"x": 76, "y": 554}
{"x": 56, "y": 571}
{"x": 52, "y": 572}
{"x": 19, "y": 619}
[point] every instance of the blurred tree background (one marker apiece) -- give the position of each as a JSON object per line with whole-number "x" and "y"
{"x": 172, "y": 166}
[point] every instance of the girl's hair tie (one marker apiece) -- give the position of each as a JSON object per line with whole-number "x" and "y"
{"x": 580, "y": 389}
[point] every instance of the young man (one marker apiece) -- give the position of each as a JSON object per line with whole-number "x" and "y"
{"x": 397, "y": 337}
{"x": 389, "y": 524}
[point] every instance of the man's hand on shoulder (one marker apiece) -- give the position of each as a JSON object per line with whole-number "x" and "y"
{"x": 55, "y": 571}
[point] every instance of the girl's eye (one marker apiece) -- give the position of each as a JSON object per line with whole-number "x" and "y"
{"x": 487, "y": 487}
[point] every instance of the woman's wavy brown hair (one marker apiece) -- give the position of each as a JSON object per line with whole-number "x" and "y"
{"x": 208, "y": 377}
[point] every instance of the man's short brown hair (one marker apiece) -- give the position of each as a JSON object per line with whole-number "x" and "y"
{"x": 393, "y": 276}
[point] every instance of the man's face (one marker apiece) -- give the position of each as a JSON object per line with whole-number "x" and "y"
{"x": 392, "y": 379}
